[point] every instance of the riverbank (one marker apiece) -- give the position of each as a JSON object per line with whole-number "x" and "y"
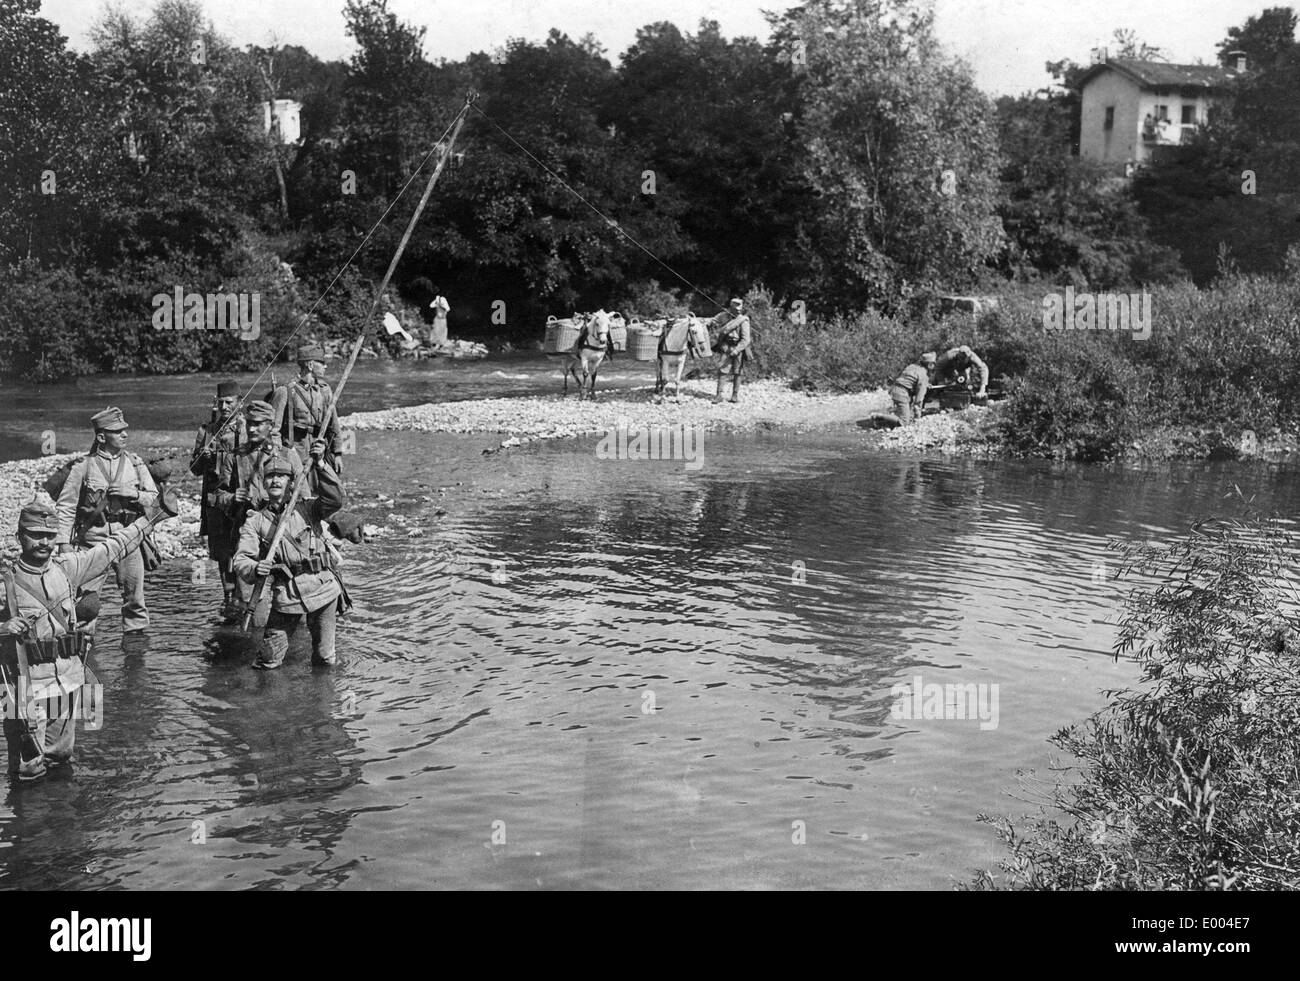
{"x": 771, "y": 404}
{"x": 764, "y": 405}
{"x": 976, "y": 432}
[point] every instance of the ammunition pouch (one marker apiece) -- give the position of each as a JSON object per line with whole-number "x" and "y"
{"x": 122, "y": 510}
{"x": 314, "y": 563}
{"x": 47, "y": 651}
{"x": 90, "y": 509}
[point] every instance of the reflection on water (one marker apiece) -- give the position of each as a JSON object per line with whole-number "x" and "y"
{"x": 621, "y": 674}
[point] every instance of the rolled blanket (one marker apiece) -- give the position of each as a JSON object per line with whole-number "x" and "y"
{"x": 161, "y": 469}
{"x": 349, "y": 526}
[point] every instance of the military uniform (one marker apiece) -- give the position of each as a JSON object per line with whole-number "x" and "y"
{"x": 733, "y": 343}
{"x": 908, "y": 392}
{"x": 300, "y": 409}
{"x": 214, "y": 447}
{"x": 245, "y": 469}
{"x": 43, "y": 667}
{"x": 303, "y": 580}
{"x": 956, "y": 361}
{"x": 104, "y": 493}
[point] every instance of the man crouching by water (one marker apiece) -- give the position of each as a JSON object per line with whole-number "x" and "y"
{"x": 909, "y": 388}
{"x": 303, "y": 568}
{"x": 42, "y": 645}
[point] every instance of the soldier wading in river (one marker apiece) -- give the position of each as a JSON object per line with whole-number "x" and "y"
{"x": 42, "y": 642}
{"x": 241, "y": 483}
{"x": 214, "y": 448}
{"x": 300, "y": 407}
{"x": 104, "y": 493}
{"x": 304, "y": 580}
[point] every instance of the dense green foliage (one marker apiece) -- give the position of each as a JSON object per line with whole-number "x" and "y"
{"x": 1217, "y": 361}
{"x": 848, "y": 165}
{"x": 1189, "y": 780}
{"x": 1237, "y": 185}
{"x": 702, "y": 162}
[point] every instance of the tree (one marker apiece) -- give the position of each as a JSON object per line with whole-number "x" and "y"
{"x": 185, "y": 108}
{"x": 1064, "y": 218}
{"x": 898, "y": 147}
{"x": 1234, "y": 186}
{"x": 1129, "y": 45}
{"x": 709, "y": 114}
{"x": 506, "y": 221}
{"x": 46, "y": 130}
{"x": 1264, "y": 38}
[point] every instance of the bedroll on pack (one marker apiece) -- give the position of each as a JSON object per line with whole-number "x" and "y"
{"x": 160, "y": 470}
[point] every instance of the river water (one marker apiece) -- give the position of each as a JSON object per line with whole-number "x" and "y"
{"x": 565, "y": 671}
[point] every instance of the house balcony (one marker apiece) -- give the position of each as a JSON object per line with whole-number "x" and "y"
{"x": 1169, "y": 134}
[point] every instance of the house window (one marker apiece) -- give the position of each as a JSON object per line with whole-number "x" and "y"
{"x": 1189, "y": 115}
{"x": 1162, "y": 112}
{"x": 1110, "y": 117}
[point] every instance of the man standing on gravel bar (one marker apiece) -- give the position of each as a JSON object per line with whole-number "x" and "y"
{"x": 213, "y": 457}
{"x": 104, "y": 493}
{"x": 303, "y": 579}
{"x": 42, "y": 646}
{"x": 733, "y": 343}
{"x": 908, "y": 391}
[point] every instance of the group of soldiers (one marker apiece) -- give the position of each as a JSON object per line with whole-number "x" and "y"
{"x": 249, "y": 462}
{"x": 909, "y": 389}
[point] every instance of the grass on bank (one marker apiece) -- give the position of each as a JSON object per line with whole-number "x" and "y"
{"x": 1219, "y": 361}
{"x": 1191, "y": 780}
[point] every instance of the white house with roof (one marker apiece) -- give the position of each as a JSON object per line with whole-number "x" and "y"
{"x": 1130, "y": 109}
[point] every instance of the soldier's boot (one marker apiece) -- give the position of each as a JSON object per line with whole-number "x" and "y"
{"x": 735, "y": 388}
{"x": 718, "y": 398}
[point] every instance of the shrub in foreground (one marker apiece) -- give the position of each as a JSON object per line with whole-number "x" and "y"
{"x": 1191, "y": 780}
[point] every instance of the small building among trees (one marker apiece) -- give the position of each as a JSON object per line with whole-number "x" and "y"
{"x": 286, "y": 123}
{"x": 1130, "y": 108}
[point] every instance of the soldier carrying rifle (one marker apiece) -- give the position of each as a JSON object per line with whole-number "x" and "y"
{"x": 43, "y": 640}
{"x": 214, "y": 447}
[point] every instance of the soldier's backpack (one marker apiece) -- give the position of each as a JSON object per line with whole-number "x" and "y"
{"x": 160, "y": 470}
{"x": 54, "y": 482}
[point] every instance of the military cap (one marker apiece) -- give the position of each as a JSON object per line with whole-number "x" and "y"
{"x": 110, "y": 419}
{"x": 227, "y": 389}
{"x": 278, "y": 465}
{"x": 38, "y": 517}
{"x": 259, "y": 411}
{"x": 310, "y": 352}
